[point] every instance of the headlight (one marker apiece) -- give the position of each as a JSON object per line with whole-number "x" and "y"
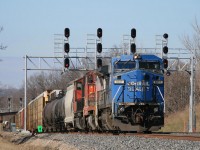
{"x": 137, "y": 56}
{"x": 119, "y": 82}
{"x": 158, "y": 82}
{"x": 122, "y": 109}
{"x": 155, "y": 109}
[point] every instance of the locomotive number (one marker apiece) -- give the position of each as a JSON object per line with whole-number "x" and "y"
{"x": 139, "y": 89}
{"x": 132, "y": 89}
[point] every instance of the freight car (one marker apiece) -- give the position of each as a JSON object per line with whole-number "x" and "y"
{"x": 35, "y": 109}
{"x": 19, "y": 119}
{"x": 34, "y": 113}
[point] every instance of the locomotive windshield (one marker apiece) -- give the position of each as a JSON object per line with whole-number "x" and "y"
{"x": 124, "y": 65}
{"x": 149, "y": 65}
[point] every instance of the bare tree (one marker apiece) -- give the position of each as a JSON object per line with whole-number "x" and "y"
{"x": 193, "y": 43}
{"x": 2, "y": 47}
{"x": 176, "y": 91}
{"x": 39, "y": 82}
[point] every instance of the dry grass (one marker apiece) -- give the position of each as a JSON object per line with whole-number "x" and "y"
{"x": 178, "y": 122}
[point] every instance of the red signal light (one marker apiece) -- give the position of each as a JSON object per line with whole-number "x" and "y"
{"x": 99, "y": 62}
{"x": 66, "y": 63}
{"x": 165, "y": 63}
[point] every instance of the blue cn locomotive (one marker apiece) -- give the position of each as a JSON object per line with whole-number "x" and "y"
{"x": 137, "y": 92}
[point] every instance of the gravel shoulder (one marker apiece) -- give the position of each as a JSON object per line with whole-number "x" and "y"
{"x": 57, "y": 141}
{"x": 5, "y": 145}
{"x": 25, "y": 141}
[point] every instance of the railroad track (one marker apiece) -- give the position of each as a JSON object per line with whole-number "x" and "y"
{"x": 172, "y": 136}
{"x": 94, "y": 140}
{"x": 158, "y": 135}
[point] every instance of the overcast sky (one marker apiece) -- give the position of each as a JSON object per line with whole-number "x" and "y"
{"x": 29, "y": 26}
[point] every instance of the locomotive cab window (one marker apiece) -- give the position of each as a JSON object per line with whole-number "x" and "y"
{"x": 79, "y": 86}
{"x": 149, "y": 65}
{"x": 124, "y": 65}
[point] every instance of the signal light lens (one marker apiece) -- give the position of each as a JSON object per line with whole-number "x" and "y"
{"x": 165, "y": 63}
{"x": 66, "y": 47}
{"x": 99, "y": 62}
{"x": 133, "y": 33}
{"x": 165, "y": 49}
{"x": 133, "y": 48}
{"x": 66, "y": 63}
{"x": 99, "y": 32}
{"x": 165, "y": 35}
{"x": 67, "y": 32}
{"x": 99, "y": 47}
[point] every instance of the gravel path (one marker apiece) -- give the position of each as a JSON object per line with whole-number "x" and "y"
{"x": 102, "y": 142}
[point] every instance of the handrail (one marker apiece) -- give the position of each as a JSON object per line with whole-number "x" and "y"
{"x": 162, "y": 97}
{"x": 114, "y": 99}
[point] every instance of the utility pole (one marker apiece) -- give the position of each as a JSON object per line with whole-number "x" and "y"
{"x": 9, "y": 104}
{"x": 191, "y": 103}
{"x": 25, "y": 93}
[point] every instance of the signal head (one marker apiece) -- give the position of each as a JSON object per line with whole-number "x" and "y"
{"x": 165, "y": 63}
{"x": 99, "y": 47}
{"x": 67, "y": 32}
{"x": 165, "y": 49}
{"x": 133, "y": 48}
{"x": 133, "y": 33}
{"x": 165, "y": 35}
{"x": 99, "y": 32}
{"x": 99, "y": 62}
{"x": 66, "y": 63}
{"x": 66, "y": 47}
